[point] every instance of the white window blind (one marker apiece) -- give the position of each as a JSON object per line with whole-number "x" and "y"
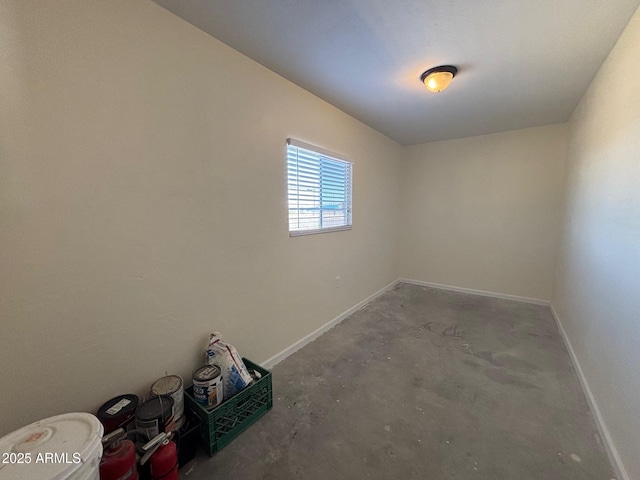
{"x": 319, "y": 187}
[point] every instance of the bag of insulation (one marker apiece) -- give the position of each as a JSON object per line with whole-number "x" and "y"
{"x": 235, "y": 375}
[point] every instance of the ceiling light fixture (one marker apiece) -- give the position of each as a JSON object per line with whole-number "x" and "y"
{"x": 438, "y": 78}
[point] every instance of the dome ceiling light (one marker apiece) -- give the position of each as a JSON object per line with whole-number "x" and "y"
{"x": 438, "y": 78}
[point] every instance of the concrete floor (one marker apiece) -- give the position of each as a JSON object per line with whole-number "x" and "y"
{"x": 423, "y": 384}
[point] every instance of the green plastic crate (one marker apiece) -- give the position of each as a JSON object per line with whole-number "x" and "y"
{"x": 225, "y": 422}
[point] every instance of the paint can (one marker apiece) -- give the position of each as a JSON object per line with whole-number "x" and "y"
{"x": 171, "y": 385}
{"x": 207, "y": 386}
{"x": 155, "y": 416}
{"x": 117, "y": 412}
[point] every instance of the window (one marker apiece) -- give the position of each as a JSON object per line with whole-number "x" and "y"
{"x": 319, "y": 186}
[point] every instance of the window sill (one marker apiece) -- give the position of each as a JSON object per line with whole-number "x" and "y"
{"x": 300, "y": 233}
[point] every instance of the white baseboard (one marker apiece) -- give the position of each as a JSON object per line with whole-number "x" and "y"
{"x": 471, "y": 291}
{"x": 607, "y": 441}
{"x": 277, "y": 358}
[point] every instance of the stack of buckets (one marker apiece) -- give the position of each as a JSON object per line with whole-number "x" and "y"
{"x": 170, "y": 386}
{"x": 69, "y": 446}
{"x": 64, "y": 447}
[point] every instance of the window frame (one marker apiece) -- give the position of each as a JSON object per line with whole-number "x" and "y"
{"x": 329, "y": 157}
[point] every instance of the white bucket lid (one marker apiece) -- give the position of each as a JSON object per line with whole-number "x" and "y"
{"x": 64, "y": 435}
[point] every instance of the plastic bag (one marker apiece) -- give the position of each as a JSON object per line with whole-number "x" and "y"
{"x": 235, "y": 375}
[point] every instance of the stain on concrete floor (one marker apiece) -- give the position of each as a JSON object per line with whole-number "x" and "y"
{"x": 424, "y": 384}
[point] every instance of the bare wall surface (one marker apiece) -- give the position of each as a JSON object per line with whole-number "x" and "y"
{"x": 483, "y": 212}
{"x": 143, "y": 205}
{"x": 597, "y": 293}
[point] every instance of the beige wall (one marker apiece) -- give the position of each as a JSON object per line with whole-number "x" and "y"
{"x": 483, "y": 212}
{"x": 143, "y": 205}
{"x": 597, "y": 294}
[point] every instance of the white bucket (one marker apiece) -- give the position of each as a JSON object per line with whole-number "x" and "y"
{"x": 64, "y": 447}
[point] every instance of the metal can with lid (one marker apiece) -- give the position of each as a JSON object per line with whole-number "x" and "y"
{"x": 207, "y": 386}
{"x": 172, "y": 386}
{"x": 155, "y": 416}
{"x": 117, "y": 412}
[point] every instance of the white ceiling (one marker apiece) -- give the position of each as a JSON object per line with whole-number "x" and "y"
{"x": 521, "y": 63}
